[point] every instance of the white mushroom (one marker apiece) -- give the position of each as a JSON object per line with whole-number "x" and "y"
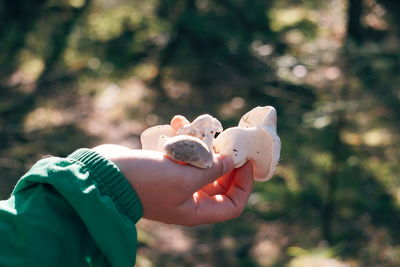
{"x": 154, "y": 138}
{"x": 255, "y": 139}
{"x": 182, "y": 141}
{"x": 203, "y": 127}
{"x": 179, "y": 121}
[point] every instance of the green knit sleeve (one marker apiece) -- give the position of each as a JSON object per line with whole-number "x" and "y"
{"x": 74, "y": 211}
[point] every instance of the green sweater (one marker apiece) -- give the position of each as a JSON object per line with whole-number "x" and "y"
{"x": 74, "y": 211}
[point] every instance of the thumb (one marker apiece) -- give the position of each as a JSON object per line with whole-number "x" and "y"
{"x": 202, "y": 177}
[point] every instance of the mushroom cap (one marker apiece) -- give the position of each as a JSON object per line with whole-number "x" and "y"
{"x": 235, "y": 142}
{"x": 206, "y": 122}
{"x": 203, "y": 127}
{"x": 259, "y": 117}
{"x": 188, "y": 149}
{"x": 178, "y": 121}
{"x": 255, "y": 139}
{"x": 154, "y": 137}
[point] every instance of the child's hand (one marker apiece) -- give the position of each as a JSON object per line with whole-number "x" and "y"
{"x": 183, "y": 194}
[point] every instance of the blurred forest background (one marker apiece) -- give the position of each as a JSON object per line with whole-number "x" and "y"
{"x": 77, "y": 73}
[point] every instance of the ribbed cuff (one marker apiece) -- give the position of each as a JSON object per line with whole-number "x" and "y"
{"x": 111, "y": 182}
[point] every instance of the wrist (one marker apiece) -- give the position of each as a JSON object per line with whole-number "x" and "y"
{"x": 111, "y": 181}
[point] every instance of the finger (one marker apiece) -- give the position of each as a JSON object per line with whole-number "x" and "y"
{"x": 196, "y": 178}
{"x": 203, "y": 208}
{"x": 221, "y": 185}
{"x": 242, "y": 186}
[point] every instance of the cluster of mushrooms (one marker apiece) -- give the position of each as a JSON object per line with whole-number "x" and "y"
{"x": 194, "y": 143}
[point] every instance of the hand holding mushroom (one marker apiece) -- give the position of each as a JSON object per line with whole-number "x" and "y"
{"x": 254, "y": 139}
